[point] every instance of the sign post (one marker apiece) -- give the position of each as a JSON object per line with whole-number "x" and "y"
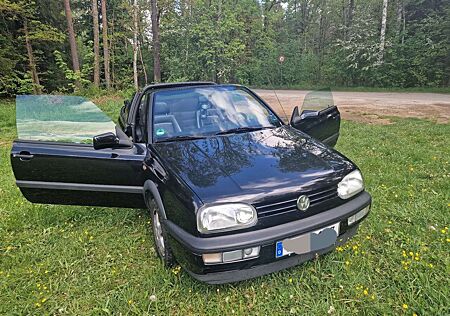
{"x": 281, "y": 60}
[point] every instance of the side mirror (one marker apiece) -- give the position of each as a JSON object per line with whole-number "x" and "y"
{"x": 296, "y": 117}
{"x": 106, "y": 140}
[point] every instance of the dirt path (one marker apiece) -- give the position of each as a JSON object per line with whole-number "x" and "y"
{"x": 371, "y": 107}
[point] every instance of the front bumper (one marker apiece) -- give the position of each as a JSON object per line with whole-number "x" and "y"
{"x": 188, "y": 248}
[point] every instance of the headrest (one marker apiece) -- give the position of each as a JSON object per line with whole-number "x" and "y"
{"x": 161, "y": 108}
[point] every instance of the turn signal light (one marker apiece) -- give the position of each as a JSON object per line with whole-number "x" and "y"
{"x": 231, "y": 256}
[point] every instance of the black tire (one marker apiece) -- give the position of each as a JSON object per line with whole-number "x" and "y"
{"x": 160, "y": 239}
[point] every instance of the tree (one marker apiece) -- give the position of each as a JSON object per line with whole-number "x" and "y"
{"x": 383, "y": 32}
{"x": 156, "y": 42}
{"x": 34, "y": 75}
{"x": 105, "y": 45}
{"x": 135, "y": 44}
{"x": 96, "y": 44}
{"x": 72, "y": 40}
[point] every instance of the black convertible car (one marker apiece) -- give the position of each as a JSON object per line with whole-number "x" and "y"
{"x": 233, "y": 192}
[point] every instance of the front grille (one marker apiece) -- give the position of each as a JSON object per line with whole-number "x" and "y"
{"x": 277, "y": 208}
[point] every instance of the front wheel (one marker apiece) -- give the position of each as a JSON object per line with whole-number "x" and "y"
{"x": 160, "y": 237}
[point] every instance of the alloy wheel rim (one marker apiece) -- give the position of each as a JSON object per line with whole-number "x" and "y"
{"x": 158, "y": 233}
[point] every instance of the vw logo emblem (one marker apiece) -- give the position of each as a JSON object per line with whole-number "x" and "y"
{"x": 303, "y": 202}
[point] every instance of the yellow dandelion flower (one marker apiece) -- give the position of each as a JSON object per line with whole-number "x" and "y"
{"x": 443, "y": 231}
{"x": 368, "y": 237}
{"x": 37, "y": 304}
{"x": 44, "y": 300}
{"x": 405, "y": 306}
{"x": 366, "y": 292}
{"x": 431, "y": 265}
{"x": 411, "y": 254}
{"x": 372, "y": 297}
{"x": 130, "y": 302}
{"x": 414, "y": 314}
{"x": 448, "y": 239}
{"x": 46, "y": 271}
{"x": 347, "y": 262}
{"x": 290, "y": 280}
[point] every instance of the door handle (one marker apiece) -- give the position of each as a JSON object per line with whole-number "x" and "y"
{"x": 23, "y": 156}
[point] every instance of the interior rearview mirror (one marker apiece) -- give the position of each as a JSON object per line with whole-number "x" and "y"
{"x": 106, "y": 140}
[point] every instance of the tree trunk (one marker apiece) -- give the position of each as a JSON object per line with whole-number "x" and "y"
{"x": 350, "y": 12}
{"x": 34, "y": 75}
{"x": 72, "y": 41}
{"x": 96, "y": 44}
{"x": 156, "y": 43}
{"x": 112, "y": 52}
{"x": 143, "y": 64}
{"x": 135, "y": 44}
{"x": 400, "y": 20}
{"x": 383, "y": 32}
{"x": 105, "y": 44}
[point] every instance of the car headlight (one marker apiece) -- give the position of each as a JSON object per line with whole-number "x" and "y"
{"x": 224, "y": 217}
{"x": 351, "y": 184}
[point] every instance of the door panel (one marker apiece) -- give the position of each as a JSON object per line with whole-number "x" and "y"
{"x": 323, "y": 125}
{"x": 77, "y": 174}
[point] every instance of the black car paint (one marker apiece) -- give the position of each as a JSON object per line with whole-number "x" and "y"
{"x": 256, "y": 167}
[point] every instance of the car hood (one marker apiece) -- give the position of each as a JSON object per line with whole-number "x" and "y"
{"x": 254, "y": 166}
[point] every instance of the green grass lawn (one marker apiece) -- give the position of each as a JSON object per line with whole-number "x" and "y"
{"x": 83, "y": 260}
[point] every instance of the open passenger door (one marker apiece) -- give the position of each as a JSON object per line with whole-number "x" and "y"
{"x": 318, "y": 117}
{"x": 55, "y": 162}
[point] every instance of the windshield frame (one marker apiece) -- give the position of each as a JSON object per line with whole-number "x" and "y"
{"x": 153, "y": 93}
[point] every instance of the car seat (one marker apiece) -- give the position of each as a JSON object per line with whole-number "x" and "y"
{"x": 164, "y": 124}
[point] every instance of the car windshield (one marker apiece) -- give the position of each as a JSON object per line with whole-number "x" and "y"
{"x": 206, "y": 111}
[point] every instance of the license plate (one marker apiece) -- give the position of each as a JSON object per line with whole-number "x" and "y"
{"x": 316, "y": 240}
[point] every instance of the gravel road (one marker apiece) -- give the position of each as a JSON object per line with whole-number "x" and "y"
{"x": 371, "y": 107}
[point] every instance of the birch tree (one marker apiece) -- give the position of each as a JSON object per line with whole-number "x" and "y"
{"x": 383, "y": 32}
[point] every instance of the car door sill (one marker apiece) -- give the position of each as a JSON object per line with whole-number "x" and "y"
{"x": 79, "y": 186}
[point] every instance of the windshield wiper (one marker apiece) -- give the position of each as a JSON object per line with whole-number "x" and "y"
{"x": 243, "y": 130}
{"x": 180, "y": 137}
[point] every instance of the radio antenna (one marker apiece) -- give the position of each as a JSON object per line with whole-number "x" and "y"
{"x": 276, "y": 95}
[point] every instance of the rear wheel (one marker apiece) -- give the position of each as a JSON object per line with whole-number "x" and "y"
{"x": 160, "y": 237}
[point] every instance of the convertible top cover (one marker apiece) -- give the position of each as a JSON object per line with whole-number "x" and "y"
{"x": 68, "y": 119}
